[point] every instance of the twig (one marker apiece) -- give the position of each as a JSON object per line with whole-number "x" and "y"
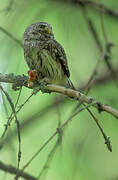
{"x": 47, "y": 164}
{"x": 106, "y": 52}
{"x": 42, "y": 147}
{"x": 52, "y": 136}
{"x": 99, "y": 7}
{"x": 108, "y": 46}
{"x": 76, "y": 111}
{"x": 19, "y": 94}
{"x": 12, "y": 170}
{"x": 107, "y": 141}
{"x": 102, "y": 25}
{"x": 45, "y": 168}
{"x": 17, "y": 123}
{"x": 92, "y": 29}
{"x": 11, "y": 36}
{"x": 27, "y": 122}
{"x": 9, "y": 7}
{"x": 4, "y": 104}
{"x": 10, "y": 117}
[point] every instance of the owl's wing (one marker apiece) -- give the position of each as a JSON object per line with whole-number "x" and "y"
{"x": 58, "y": 54}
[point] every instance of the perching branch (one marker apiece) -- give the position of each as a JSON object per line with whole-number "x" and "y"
{"x": 16, "y": 80}
{"x": 22, "y": 81}
{"x": 104, "y": 78}
{"x": 80, "y": 96}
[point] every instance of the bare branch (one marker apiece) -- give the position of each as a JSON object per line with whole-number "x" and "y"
{"x": 42, "y": 147}
{"x": 99, "y": 7}
{"x": 12, "y": 117}
{"x": 47, "y": 164}
{"x": 43, "y": 173}
{"x": 92, "y": 29}
{"x": 58, "y": 131}
{"x": 68, "y": 92}
{"x": 17, "y": 124}
{"x": 9, "y": 7}
{"x": 104, "y": 78}
{"x": 107, "y": 141}
{"x": 36, "y": 116}
{"x": 79, "y": 96}
{"x": 106, "y": 51}
{"x": 11, "y": 36}
{"x": 12, "y": 170}
{"x": 11, "y": 78}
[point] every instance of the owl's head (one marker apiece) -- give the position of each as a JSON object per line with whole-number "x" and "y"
{"x": 39, "y": 31}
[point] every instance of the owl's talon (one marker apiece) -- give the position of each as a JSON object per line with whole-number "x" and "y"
{"x": 43, "y": 84}
{"x": 42, "y": 87}
{"x": 36, "y": 89}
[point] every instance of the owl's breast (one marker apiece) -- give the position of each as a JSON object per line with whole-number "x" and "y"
{"x": 41, "y": 58}
{"x": 31, "y": 51}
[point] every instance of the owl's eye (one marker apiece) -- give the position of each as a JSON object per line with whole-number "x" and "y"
{"x": 42, "y": 26}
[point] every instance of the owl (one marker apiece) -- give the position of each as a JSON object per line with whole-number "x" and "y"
{"x": 45, "y": 57}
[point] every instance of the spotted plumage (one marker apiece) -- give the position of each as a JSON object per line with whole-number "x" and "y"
{"x": 45, "y": 55}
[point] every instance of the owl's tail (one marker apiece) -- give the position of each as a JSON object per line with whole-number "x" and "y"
{"x": 70, "y": 84}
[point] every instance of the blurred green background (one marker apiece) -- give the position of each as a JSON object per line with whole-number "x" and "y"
{"x": 82, "y": 155}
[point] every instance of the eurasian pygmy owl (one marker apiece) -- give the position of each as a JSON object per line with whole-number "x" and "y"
{"x": 45, "y": 57}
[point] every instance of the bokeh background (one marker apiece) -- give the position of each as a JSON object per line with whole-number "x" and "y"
{"x": 82, "y": 154}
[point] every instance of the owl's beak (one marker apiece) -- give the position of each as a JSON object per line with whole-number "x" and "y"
{"x": 48, "y": 31}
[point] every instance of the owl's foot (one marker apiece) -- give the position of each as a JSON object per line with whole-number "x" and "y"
{"x": 32, "y": 77}
{"x": 36, "y": 89}
{"x": 42, "y": 85}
